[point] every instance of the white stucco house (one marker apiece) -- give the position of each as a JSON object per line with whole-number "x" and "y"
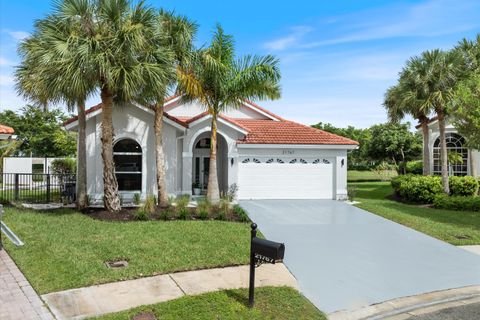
{"x": 266, "y": 156}
{"x": 455, "y": 143}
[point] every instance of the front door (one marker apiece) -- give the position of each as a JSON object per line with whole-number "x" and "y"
{"x": 201, "y": 171}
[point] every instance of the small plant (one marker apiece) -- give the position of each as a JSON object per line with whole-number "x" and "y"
{"x": 232, "y": 192}
{"x": 166, "y": 213}
{"x": 149, "y": 205}
{"x": 171, "y": 200}
{"x": 140, "y": 214}
{"x": 223, "y": 209}
{"x": 241, "y": 214}
{"x": 136, "y": 199}
{"x": 351, "y": 193}
{"x": 182, "y": 204}
{"x": 203, "y": 209}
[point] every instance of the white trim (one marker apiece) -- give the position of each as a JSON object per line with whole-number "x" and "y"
{"x": 220, "y": 120}
{"x": 297, "y": 146}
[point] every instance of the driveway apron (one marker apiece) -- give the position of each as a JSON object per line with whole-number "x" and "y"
{"x": 344, "y": 257}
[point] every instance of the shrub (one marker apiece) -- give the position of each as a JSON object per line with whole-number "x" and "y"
{"x": 421, "y": 189}
{"x": 203, "y": 209}
{"x": 459, "y": 203}
{"x": 181, "y": 208}
{"x": 414, "y": 167}
{"x": 150, "y": 204}
{"x": 223, "y": 209}
{"x": 166, "y": 213}
{"x": 384, "y": 171}
{"x": 64, "y": 166}
{"x": 351, "y": 193}
{"x": 463, "y": 186}
{"x": 241, "y": 214}
{"x": 140, "y": 214}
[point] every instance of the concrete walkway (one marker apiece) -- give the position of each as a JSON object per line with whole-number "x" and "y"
{"x": 117, "y": 296}
{"x": 18, "y": 300}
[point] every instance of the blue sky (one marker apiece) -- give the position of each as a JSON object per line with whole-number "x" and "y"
{"x": 337, "y": 57}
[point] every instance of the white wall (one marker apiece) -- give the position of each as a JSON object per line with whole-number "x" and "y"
{"x": 193, "y": 109}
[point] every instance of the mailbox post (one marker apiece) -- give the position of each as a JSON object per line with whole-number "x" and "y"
{"x": 261, "y": 251}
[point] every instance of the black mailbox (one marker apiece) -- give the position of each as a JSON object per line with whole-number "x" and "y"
{"x": 267, "y": 251}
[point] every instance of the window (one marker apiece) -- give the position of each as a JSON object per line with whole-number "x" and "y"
{"x": 127, "y": 155}
{"x": 455, "y": 143}
{"x": 203, "y": 144}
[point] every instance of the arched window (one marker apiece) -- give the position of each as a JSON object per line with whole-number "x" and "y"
{"x": 127, "y": 155}
{"x": 455, "y": 143}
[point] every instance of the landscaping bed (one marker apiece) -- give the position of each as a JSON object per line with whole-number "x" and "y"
{"x": 282, "y": 303}
{"x": 66, "y": 249}
{"x": 455, "y": 227}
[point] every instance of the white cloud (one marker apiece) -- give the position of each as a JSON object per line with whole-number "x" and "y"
{"x": 17, "y": 34}
{"x": 284, "y": 43}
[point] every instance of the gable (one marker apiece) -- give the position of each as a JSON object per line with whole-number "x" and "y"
{"x": 190, "y": 110}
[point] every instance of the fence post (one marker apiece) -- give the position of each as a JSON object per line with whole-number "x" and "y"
{"x": 16, "y": 190}
{"x": 48, "y": 187}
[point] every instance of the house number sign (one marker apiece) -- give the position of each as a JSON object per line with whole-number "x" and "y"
{"x": 288, "y": 152}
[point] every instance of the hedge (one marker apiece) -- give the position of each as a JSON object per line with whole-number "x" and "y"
{"x": 424, "y": 189}
{"x": 458, "y": 203}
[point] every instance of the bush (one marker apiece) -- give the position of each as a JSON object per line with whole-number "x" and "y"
{"x": 64, "y": 166}
{"x": 463, "y": 186}
{"x": 150, "y": 204}
{"x": 136, "y": 198}
{"x": 203, "y": 209}
{"x": 351, "y": 193}
{"x": 241, "y": 214}
{"x": 414, "y": 167}
{"x": 360, "y": 166}
{"x": 140, "y": 214}
{"x": 166, "y": 213}
{"x": 459, "y": 203}
{"x": 421, "y": 189}
{"x": 181, "y": 208}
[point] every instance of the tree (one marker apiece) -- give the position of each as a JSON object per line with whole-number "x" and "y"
{"x": 395, "y": 142}
{"x": 218, "y": 81}
{"x": 173, "y": 45}
{"x": 50, "y": 72}
{"x": 466, "y": 117}
{"x": 363, "y": 137}
{"x": 405, "y": 98}
{"x": 43, "y": 131}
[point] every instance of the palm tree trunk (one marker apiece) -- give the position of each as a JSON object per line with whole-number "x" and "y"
{"x": 111, "y": 200}
{"x": 473, "y": 163}
{"x": 443, "y": 152}
{"x": 81, "y": 184}
{"x": 160, "y": 157}
{"x": 426, "y": 147}
{"x": 213, "y": 192}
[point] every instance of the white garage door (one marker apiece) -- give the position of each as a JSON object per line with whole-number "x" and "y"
{"x": 285, "y": 179}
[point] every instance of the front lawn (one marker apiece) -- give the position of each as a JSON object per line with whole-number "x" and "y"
{"x": 281, "y": 303}
{"x": 359, "y": 176}
{"x": 65, "y": 249}
{"x": 455, "y": 227}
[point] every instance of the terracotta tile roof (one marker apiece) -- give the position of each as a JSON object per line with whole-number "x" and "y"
{"x": 6, "y": 130}
{"x": 288, "y": 132}
{"x": 263, "y": 131}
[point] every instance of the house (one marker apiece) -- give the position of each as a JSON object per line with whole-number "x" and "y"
{"x": 455, "y": 143}
{"x": 266, "y": 156}
{"x": 6, "y": 132}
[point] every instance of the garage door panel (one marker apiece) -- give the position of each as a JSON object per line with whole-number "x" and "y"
{"x": 285, "y": 181}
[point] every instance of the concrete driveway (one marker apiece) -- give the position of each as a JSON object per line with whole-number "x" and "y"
{"x": 344, "y": 257}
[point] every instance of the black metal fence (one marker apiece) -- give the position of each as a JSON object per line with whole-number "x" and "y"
{"x": 37, "y": 188}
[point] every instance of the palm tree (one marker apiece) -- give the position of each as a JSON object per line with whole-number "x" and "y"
{"x": 175, "y": 36}
{"x": 114, "y": 47}
{"x": 218, "y": 81}
{"x": 49, "y": 72}
{"x": 405, "y": 98}
{"x": 440, "y": 73}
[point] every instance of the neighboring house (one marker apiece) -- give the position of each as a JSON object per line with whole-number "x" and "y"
{"x": 6, "y": 132}
{"x": 266, "y": 156}
{"x": 455, "y": 143}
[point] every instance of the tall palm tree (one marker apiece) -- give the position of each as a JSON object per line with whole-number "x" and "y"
{"x": 174, "y": 44}
{"x": 218, "y": 81}
{"x": 405, "y": 99}
{"x": 49, "y": 72}
{"x": 114, "y": 48}
{"x": 436, "y": 81}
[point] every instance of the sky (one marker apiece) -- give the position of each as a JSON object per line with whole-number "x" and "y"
{"x": 337, "y": 58}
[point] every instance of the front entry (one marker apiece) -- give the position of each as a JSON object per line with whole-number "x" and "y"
{"x": 201, "y": 170}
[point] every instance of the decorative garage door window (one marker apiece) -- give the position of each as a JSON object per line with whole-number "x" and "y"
{"x": 287, "y": 161}
{"x": 127, "y": 155}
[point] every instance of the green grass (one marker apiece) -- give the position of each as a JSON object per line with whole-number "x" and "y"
{"x": 65, "y": 249}
{"x": 281, "y": 303}
{"x": 455, "y": 227}
{"x": 358, "y": 176}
